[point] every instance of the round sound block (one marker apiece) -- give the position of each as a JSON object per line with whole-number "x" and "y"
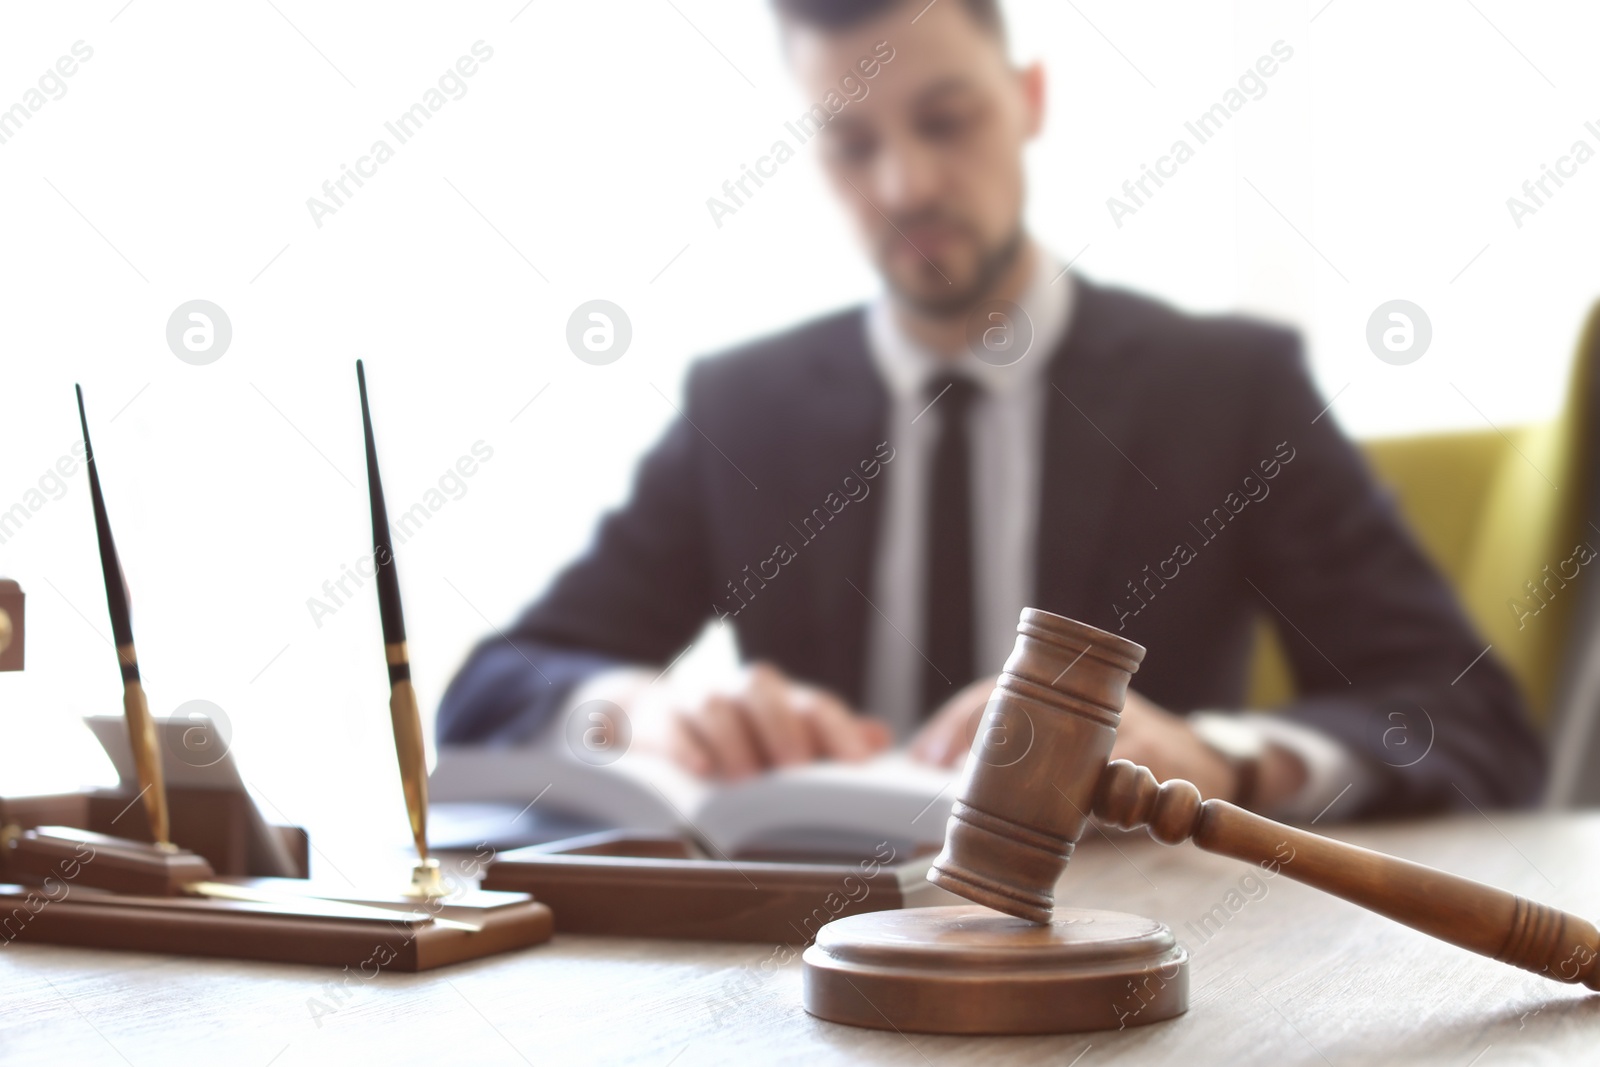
{"x": 968, "y": 969}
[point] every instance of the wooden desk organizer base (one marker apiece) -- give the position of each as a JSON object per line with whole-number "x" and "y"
{"x": 211, "y": 823}
{"x": 650, "y": 885}
{"x": 78, "y": 857}
{"x": 308, "y": 930}
{"x": 86, "y": 889}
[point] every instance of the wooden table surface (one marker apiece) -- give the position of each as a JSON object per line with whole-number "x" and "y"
{"x": 1290, "y": 977}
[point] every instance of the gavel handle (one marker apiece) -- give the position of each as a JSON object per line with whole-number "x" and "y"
{"x": 1489, "y": 921}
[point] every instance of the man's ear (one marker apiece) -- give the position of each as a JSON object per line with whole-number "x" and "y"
{"x": 1031, "y": 78}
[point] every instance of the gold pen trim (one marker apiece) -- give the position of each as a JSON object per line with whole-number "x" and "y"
{"x": 146, "y": 755}
{"x": 413, "y": 758}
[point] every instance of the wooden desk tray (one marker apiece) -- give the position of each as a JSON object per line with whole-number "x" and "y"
{"x": 309, "y": 930}
{"x": 653, "y": 885}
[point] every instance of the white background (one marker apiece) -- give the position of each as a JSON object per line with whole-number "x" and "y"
{"x": 178, "y": 164}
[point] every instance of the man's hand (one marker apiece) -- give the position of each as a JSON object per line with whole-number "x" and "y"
{"x": 759, "y": 719}
{"x": 1168, "y": 745}
{"x": 944, "y": 740}
{"x": 1165, "y": 743}
{"x": 1149, "y": 735}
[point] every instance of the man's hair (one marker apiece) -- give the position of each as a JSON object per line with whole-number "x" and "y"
{"x": 836, "y": 15}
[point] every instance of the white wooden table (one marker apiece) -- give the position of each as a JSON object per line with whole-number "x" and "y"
{"x": 1290, "y": 977}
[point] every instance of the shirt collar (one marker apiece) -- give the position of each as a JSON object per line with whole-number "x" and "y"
{"x": 906, "y": 365}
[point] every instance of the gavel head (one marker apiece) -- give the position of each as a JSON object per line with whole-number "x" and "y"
{"x": 1030, "y": 778}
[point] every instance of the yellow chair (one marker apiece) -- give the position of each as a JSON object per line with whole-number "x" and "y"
{"x": 1501, "y": 515}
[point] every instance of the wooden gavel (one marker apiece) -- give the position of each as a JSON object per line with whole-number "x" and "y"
{"x": 1038, "y": 769}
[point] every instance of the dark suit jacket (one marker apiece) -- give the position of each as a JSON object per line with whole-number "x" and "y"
{"x": 1192, "y": 484}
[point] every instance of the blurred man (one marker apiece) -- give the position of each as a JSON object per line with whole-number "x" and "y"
{"x": 871, "y": 498}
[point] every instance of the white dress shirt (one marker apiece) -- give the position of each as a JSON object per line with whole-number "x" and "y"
{"x": 1005, "y": 430}
{"x": 1006, "y": 435}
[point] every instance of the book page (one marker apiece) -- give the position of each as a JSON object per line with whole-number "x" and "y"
{"x": 891, "y": 798}
{"x": 639, "y": 792}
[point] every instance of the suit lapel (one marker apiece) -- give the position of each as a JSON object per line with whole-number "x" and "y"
{"x": 1088, "y": 427}
{"x": 851, "y": 401}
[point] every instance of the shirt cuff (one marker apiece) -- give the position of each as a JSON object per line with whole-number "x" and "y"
{"x": 1334, "y": 773}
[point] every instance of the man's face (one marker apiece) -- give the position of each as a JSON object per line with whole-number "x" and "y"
{"x": 929, "y": 161}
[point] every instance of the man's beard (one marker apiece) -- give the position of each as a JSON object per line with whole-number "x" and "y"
{"x": 954, "y": 303}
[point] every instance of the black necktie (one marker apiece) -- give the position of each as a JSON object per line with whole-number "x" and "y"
{"x": 947, "y": 581}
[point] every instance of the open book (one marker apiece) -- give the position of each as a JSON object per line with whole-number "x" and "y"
{"x": 819, "y": 808}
